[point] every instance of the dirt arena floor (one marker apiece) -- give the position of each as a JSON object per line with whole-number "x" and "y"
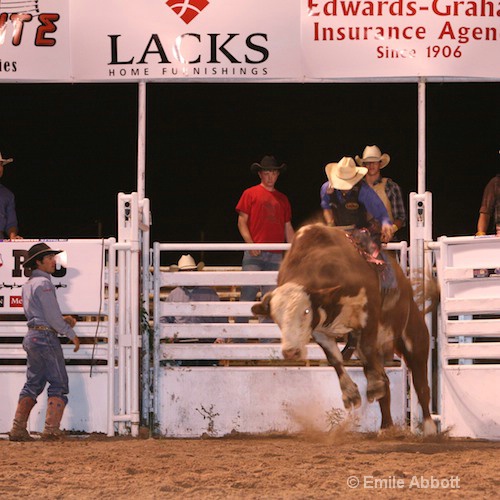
{"x": 307, "y": 466}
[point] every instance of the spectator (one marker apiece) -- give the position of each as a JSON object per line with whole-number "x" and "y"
{"x": 8, "y": 217}
{"x": 193, "y": 294}
{"x": 490, "y": 206}
{"x": 388, "y": 191}
{"x": 264, "y": 216}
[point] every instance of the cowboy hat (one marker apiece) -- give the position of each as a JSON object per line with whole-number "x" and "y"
{"x": 373, "y": 153}
{"x": 187, "y": 263}
{"x": 38, "y": 252}
{"x": 4, "y": 161}
{"x": 344, "y": 174}
{"x": 268, "y": 162}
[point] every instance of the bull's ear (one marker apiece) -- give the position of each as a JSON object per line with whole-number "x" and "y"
{"x": 325, "y": 296}
{"x": 263, "y": 308}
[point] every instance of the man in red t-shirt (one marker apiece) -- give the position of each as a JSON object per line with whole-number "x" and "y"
{"x": 264, "y": 216}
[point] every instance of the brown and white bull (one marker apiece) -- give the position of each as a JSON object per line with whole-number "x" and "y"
{"x": 327, "y": 289}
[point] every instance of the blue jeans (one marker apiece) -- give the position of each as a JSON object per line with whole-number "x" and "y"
{"x": 266, "y": 261}
{"x": 45, "y": 363}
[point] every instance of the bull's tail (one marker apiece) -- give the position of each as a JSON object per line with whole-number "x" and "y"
{"x": 426, "y": 290}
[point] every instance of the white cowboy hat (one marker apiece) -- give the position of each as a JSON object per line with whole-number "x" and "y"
{"x": 187, "y": 263}
{"x": 4, "y": 161}
{"x": 373, "y": 153}
{"x": 344, "y": 174}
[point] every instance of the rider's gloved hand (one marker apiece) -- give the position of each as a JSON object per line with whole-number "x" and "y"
{"x": 387, "y": 233}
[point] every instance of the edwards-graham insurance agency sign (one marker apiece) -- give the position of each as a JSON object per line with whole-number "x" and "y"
{"x": 241, "y": 40}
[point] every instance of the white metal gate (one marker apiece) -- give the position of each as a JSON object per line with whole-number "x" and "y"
{"x": 249, "y": 389}
{"x": 469, "y": 335}
{"x": 104, "y": 291}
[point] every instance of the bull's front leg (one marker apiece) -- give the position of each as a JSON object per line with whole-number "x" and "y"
{"x": 350, "y": 392}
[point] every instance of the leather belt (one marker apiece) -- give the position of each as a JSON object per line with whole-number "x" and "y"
{"x": 43, "y": 328}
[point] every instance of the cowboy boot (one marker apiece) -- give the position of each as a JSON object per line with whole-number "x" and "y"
{"x": 55, "y": 410}
{"x": 18, "y": 431}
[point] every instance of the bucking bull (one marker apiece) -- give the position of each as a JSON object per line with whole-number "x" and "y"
{"x": 327, "y": 289}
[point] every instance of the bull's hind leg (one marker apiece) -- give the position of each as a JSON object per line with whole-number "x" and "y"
{"x": 385, "y": 410}
{"x": 376, "y": 378}
{"x": 414, "y": 347}
{"x": 377, "y": 383}
{"x": 350, "y": 392}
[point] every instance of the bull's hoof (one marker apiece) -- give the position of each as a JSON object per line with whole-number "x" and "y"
{"x": 20, "y": 436}
{"x": 353, "y": 399}
{"x": 429, "y": 427}
{"x": 350, "y": 392}
{"x": 376, "y": 390}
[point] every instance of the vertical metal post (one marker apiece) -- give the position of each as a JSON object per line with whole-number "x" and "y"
{"x": 143, "y": 234}
{"x": 133, "y": 285}
{"x": 141, "y": 142}
{"x": 111, "y": 334}
{"x": 144, "y": 308}
{"x": 122, "y": 332}
{"x": 420, "y": 233}
{"x": 421, "y": 136}
{"x": 156, "y": 322}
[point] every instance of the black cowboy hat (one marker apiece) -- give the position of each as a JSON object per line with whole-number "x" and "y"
{"x": 268, "y": 162}
{"x": 38, "y": 251}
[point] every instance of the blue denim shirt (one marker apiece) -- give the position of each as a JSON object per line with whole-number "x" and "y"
{"x": 367, "y": 196}
{"x": 8, "y": 217}
{"x": 40, "y": 304}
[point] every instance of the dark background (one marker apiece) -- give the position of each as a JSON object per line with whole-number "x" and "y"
{"x": 75, "y": 148}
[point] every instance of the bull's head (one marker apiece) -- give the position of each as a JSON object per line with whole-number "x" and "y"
{"x": 297, "y": 312}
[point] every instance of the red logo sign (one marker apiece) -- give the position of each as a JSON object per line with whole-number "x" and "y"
{"x": 16, "y": 301}
{"x": 187, "y": 10}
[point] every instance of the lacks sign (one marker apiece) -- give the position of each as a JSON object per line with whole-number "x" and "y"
{"x": 187, "y": 39}
{"x": 78, "y": 284}
{"x": 187, "y": 10}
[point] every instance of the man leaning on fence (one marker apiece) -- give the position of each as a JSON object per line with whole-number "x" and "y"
{"x": 45, "y": 360}
{"x": 192, "y": 293}
{"x": 264, "y": 216}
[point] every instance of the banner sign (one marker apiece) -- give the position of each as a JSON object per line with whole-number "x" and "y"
{"x": 400, "y": 38}
{"x": 177, "y": 40}
{"x": 34, "y": 40}
{"x": 79, "y": 284}
{"x": 245, "y": 40}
